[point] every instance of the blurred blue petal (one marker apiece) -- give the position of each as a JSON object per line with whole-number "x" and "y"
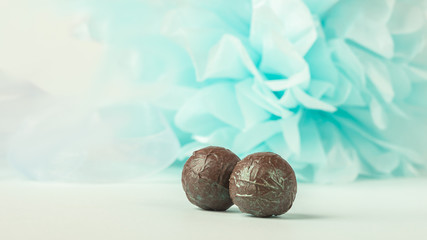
{"x": 68, "y": 142}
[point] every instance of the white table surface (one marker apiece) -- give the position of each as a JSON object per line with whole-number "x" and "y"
{"x": 388, "y": 209}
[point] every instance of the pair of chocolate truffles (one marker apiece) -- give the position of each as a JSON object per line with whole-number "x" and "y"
{"x": 262, "y": 184}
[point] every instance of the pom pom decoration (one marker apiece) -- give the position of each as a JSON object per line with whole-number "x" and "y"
{"x": 337, "y": 87}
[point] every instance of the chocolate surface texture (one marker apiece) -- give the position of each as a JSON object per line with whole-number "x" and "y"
{"x": 205, "y": 178}
{"x": 263, "y": 184}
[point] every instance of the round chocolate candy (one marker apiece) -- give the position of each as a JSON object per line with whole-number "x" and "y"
{"x": 205, "y": 178}
{"x": 263, "y": 184}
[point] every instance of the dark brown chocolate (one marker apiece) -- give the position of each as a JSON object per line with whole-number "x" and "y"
{"x": 205, "y": 178}
{"x": 263, "y": 184}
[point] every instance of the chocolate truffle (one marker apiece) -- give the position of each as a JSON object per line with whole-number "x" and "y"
{"x": 205, "y": 178}
{"x": 263, "y": 184}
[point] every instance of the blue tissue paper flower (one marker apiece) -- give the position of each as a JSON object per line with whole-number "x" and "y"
{"x": 337, "y": 87}
{"x": 332, "y": 86}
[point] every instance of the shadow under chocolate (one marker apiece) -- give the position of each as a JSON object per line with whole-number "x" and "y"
{"x": 230, "y": 210}
{"x": 293, "y": 216}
